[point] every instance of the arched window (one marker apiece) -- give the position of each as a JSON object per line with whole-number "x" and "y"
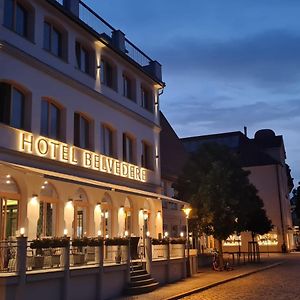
{"x": 12, "y": 105}
{"x": 19, "y": 17}
{"x": 9, "y": 201}
{"x": 48, "y": 210}
{"x": 80, "y": 213}
{"x": 51, "y": 119}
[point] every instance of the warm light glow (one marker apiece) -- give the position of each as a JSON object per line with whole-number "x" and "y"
{"x": 106, "y": 215}
{"x": 159, "y": 213}
{"x": 22, "y": 231}
{"x": 7, "y": 181}
{"x": 99, "y": 233}
{"x": 69, "y": 204}
{"x": 58, "y": 151}
{"x": 126, "y": 233}
{"x": 8, "y": 176}
{"x": 46, "y": 182}
{"x": 34, "y": 200}
{"x": 98, "y": 208}
{"x": 166, "y": 234}
{"x": 106, "y": 236}
{"x": 181, "y": 234}
{"x": 43, "y": 187}
{"x": 145, "y": 215}
{"x": 187, "y": 211}
{"x": 65, "y": 232}
{"x": 148, "y": 233}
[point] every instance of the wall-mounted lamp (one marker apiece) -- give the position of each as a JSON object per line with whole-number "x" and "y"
{"x": 126, "y": 233}
{"x": 22, "y": 231}
{"x": 65, "y": 232}
{"x": 99, "y": 233}
{"x": 166, "y": 234}
{"x": 181, "y": 234}
{"x": 148, "y": 233}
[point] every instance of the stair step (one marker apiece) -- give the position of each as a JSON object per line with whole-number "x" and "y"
{"x": 140, "y": 277}
{"x": 137, "y": 267}
{"x": 141, "y": 282}
{"x": 138, "y": 272}
{"x": 141, "y": 289}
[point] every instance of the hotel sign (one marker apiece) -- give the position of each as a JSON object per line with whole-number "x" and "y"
{"x": 55, "y": 150}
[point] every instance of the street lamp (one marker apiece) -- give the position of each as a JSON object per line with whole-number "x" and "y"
{"x": 187, "y": 211}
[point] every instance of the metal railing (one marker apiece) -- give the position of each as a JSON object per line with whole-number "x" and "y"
{"x": 177, "y": 250}
{"x": 115, "y": 255}
{"x": 159, "y": 252}
{"x": 104, "y": 29}
{"x": 8, "y": 256}
{"x": 43, "y": 258}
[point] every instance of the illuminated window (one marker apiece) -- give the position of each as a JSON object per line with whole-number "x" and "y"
{"x": 233, "y": 240}
{"x": 127, "y": 148}
{"x": 269, "y": 239}
{"x": 81, "y": 131}
{"x": 53, "y": 39}
{"x": 12, "y": 106}
{"x": 147, "y": 156}
{"x": 50, "y": 120}
{"x": 146, "y": 99}
{"x": 107, "y": 144}
{"x": 18, "y": 18}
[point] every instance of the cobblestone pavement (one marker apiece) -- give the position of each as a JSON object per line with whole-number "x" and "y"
{"x": 279, "y": 283}
{"x": 207, "y": 277}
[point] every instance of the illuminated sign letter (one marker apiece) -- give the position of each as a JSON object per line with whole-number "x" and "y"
{"x": 64, "y": 153}
{"x": 87, "y": 159}
{"x": 42, "y": 146}
{"x": 27, "y": 142}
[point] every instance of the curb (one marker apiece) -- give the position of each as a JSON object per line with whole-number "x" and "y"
{"x": 208, "y": 286}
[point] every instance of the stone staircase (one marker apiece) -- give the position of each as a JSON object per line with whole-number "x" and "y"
{"x": 140, "y": 281}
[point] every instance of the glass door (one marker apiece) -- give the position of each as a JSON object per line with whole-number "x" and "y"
{"x": 9, "y": 218}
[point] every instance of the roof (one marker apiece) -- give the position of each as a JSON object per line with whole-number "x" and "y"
{"x": 251, "y": 152}
{"x": 172, "y": 152}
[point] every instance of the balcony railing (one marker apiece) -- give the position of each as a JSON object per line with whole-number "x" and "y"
{"x": 104, "y": 29}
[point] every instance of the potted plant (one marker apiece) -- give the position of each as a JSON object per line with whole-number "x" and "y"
{"x": 117, "y": 241}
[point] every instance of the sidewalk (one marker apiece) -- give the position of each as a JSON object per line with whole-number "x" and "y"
{"x": 207, "y": 278}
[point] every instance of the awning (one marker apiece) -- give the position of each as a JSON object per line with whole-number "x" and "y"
{"x": 94, "y": 183}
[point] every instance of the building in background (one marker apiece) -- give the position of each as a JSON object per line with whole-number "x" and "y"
{"x": 173, "y": 158}
{"x": 264, "y": 156}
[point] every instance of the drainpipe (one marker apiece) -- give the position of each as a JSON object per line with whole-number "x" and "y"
{"x": 280, "y": 208}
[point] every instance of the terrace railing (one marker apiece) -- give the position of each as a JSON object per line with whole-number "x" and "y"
{"x": 104, "y": 29}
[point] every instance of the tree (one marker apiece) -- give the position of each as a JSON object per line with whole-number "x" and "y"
{"x": 219, "y": 190}
{"x": 295, "y": 201}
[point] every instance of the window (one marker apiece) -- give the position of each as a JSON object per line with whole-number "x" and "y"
{"x": 82, "y": 58}
{"x": 128, "y": 87}
{"x": 146, "y": 156}
{"x": 107, "y": 74}
{"x": 127, "y": 148}
{"x": 12, "y": 106}
{"x": 52, "y": 39}
{"x": 81, "y": 131}
{"x": 107, "y": 141}
{"x": 146, "y": 99}
{"x": 16, "y": 17}
{"x": 50, "y": 120}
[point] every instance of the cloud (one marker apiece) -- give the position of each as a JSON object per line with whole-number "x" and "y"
{"x": 270, "y": 59}
{"x": 191, "y": 113}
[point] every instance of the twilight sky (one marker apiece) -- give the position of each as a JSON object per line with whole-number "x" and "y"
{"x": 227, "y": 64}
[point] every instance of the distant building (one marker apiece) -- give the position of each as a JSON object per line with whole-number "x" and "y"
{"x": 264, "y": 156}
{"x": 173, "y": 158}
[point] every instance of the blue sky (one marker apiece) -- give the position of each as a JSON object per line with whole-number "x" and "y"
{"x": 227, "y": 64}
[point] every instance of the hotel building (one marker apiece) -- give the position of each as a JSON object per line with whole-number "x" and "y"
{"x": 79, "y": 124}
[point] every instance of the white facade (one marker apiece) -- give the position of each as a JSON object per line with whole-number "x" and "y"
{"x": 105, "y": 195}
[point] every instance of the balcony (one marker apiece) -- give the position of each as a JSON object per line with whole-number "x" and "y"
{"x": 106, "y": 33}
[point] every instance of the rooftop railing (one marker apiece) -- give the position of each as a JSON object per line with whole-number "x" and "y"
{"x": 101, "y": 27}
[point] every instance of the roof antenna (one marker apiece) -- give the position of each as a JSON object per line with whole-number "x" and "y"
{"x": 245, "y": 131}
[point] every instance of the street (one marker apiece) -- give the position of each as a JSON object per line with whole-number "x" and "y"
{"x": 280, "y": 283}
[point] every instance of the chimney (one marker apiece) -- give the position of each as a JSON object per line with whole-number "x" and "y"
{"x": 118, "y": 40}
{"x": 245, "y": 131}
{"x": 72, "y": 6}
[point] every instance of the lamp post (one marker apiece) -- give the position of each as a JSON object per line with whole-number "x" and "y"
{"x": 187, "y": 211}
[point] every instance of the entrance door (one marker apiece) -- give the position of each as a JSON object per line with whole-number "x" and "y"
{"x": 9, "y": 218}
